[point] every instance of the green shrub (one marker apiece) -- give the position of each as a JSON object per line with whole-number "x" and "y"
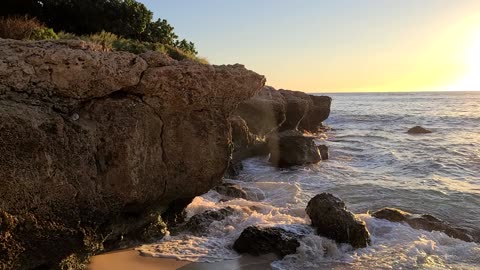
{"x": 43, "y": 33}
{"x": 24, "y": 28}
{"x": 65, "y": 35}
{"x": 104, "y": 39}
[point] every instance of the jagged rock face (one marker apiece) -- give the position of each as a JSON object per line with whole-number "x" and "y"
{"x": 259, "y": 241}
{"x": 317, "y": 113}
{"x": 426, "y": 222}
{"x": 297, "y": 107}
{"x": 263, "y": 113}
{"x": 331, "y": 219}
{"x": 96, "y": 145}
{"x": 290, "y": 148}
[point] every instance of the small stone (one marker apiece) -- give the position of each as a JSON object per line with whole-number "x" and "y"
{"x": 75, "y": 117}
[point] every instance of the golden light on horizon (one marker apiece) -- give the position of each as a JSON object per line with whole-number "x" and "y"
{"x": 471, "y": 79}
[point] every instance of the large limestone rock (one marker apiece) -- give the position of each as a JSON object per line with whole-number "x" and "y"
{"x": 318, "y": 112}
{"x": 264, "y": 113}
{"x": 95, "y": 145}
{"x": 332, "y": 219}
{"x": 291, "y": 148}
{"x": 259, "y": 241}
{"x": 305, "y": 112}
{"x": 426, "y": 222}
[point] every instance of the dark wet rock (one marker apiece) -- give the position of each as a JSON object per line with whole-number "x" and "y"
{"x": 198, "y": 224}
{"x": 291, "y": 148}
{"x": 233, "y": 169}
{"x": 426, "y": 222}
{"x": 331, "y": 219}
{"x": 418, "y": 130}
{"x": 259, "y": 241}
{"x": 264, "y": 112}
{"x": 231, "y": 190}
{"x": 323, "y": 149}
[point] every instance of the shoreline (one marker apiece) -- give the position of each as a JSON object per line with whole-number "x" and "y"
{"x": 129, "y": 259}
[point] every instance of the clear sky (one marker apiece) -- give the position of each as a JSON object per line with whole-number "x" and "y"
{"x": 337, "y": 45}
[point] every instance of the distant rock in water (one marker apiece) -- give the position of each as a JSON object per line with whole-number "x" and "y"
{"x": 418, "y": 130}
{"x": 231, "y": 190}
{"x": 426, "y": 222}
{"x": 291, "y": 148}
{"x": 332, "y": 220}
{"x": 259, "y": 241}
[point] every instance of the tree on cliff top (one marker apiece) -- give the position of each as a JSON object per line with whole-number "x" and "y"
{"x": 126, "y": 18}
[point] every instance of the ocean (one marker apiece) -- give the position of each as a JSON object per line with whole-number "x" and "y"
{"x": 373, "y": 164}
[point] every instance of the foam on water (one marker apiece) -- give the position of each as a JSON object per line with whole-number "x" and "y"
{"x": 373, "y": 164}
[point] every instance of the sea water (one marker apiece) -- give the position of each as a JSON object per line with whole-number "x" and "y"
{"x": 373, "y": 163}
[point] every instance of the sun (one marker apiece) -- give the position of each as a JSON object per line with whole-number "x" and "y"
{"x": 471, "y": 79}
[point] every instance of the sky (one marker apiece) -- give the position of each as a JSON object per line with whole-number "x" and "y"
{"x": 337, "y": 45}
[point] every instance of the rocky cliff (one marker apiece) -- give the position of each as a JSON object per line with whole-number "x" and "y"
{"x": 271, "y": 112}
{"x": 96, "y": 145}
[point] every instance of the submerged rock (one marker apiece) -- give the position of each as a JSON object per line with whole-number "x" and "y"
{"x": 324, "y": 154}
{"x": 291, "y": 148}
{"x": 198, "y": 224}
{"x": 259, "y": 241}
{"x": 231, "y": 190}
{"x": 418, "y": 130}
{"x": 96, "y": 145}
{"x": 425, "y": 222}
{"x": 331, "y": 219}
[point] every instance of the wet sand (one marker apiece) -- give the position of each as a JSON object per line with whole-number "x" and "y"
{"x": 130, "y": 259}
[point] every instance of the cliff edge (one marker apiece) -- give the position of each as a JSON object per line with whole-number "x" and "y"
{"x": 96, "y": 145}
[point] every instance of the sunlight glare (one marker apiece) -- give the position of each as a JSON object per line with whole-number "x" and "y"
{"x": 471, "y": 81}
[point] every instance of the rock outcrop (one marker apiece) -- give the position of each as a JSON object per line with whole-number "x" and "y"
{"x": 291, "y": 148}
{"x": 198, "y": 224}
{"x": 271, "y": 112}
{"x": 231, "y": 190}
{"x": 426, "y": 222}
{"x": 418, "y": 130}
{"x": 332, "y": 220}
{"x": 259, "y": 241}
{"x": 96, "y": 145}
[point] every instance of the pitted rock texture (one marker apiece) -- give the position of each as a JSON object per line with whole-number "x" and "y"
{"x": 95, "y": 145}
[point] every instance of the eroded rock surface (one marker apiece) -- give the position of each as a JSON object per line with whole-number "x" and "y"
{"x": 291, "y": 148}
{"x": 95, "y": 145}
{"x": 426, "y": 222}
{"x": 331, "y": 219}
